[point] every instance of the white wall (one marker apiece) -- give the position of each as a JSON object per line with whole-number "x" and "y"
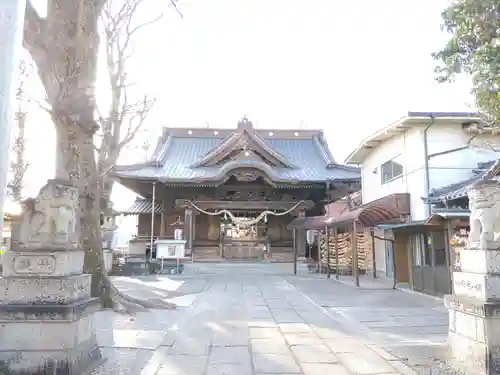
{"x": 456, "y": 166}
{"x": 408, "y": 149}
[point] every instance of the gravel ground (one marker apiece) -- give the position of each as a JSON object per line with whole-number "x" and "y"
{"x": 438, "y": 368}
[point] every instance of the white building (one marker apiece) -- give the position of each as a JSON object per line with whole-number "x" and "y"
{"x": 418, "y": 153}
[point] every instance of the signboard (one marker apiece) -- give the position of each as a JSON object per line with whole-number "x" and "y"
{"x": 170, "y": 249}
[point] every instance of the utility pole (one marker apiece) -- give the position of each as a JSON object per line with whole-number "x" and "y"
{"x": 11, "y": 33}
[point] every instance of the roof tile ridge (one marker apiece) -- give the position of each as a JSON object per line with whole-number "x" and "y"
{"x": 324, "y": 151}
{"x": 226, "y": 143}
{"x": 488, "y": 174}
{"x": 259, "y": 140}
{"x": 159, "y": 160}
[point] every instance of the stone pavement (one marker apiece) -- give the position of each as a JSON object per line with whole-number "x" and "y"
{"x": 258, "y": 319}
{"x": 411, "y": 327}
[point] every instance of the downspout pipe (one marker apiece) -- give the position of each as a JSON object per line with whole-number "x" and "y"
{"x": 427, "y": 182}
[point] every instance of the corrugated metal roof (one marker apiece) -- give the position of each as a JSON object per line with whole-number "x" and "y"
{"x": 142, "y": 206}
{"x": 182, "y": 153}
{"x": 393, "y": 208}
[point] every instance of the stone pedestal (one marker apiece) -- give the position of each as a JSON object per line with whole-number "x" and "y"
{"x": 474, "y": 308}
{"x": 45, "y": 305}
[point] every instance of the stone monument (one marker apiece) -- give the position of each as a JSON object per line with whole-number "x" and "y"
{"x": 45, "y": 304}
{"x": 474, "y": 307}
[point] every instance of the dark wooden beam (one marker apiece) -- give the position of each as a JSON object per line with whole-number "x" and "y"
{"x": 246, "y": 205}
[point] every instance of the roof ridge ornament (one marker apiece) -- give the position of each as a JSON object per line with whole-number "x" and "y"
{"x": 246, "y": 140}
{"x": 245, "y": 124}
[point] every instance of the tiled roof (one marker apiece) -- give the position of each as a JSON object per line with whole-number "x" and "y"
{"x": 459, "y": 189}
{"x": 142, "y": 206}
{"x": 175, "y": 160}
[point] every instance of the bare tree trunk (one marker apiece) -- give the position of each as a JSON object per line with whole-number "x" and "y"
{"x": 20, "y": 162}
{"x": 76, "y": 162}
{"x": 64, "y": 46}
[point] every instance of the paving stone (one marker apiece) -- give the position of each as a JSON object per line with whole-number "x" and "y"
{"x": 133, "y": 339}
{"x": 126, "y": 362}
{"x": 365, "y": 363}
{"x": 258, "y": 332}
{"x": 263, "y": 323}
{"x": 270, "y": 346}
{"x": 287, "y": 317}
{"x": 383, "y": 353}
{"x": 294, "y": 328}
{"x": 328, "y": 333}
{"x": 182, "y": 364}
{"x": 189, "y": 347}
{"x": 259, "y": 315}
{"x": 275, "y": 364}
{"x": 324, "y": 369}
{"x": 228, "y": 339}
{"x": 238, "y": 314}
{"x": 346, "y": 345}
{"x": 278, "y": 304}
{"x": 224, "y": 355}
{"x": 313, "y": 354}
{"x": 302, "y": 339}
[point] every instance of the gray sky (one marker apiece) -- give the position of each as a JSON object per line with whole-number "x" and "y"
{"x": 349, "y": 67}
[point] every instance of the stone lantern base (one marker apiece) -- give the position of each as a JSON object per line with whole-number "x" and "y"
{"x": 474, "y": 334}
{"x": 45, "y": 302}
{"x": 46, "y": 322}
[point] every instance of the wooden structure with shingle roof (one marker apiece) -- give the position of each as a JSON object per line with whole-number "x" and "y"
{"x": 246, "y": 171}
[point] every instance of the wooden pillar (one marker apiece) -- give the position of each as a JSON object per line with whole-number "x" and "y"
{"x": 450, "y": 252}
{"x": 327, "y": 246}
{"x": 193, "y": 228}
{"x": 336, "y": 246}
{"x": 188, "y": 228}
{"x": 294, "y": 251}
{"x": 300, "y": 239}
{"x": 374, "y": 262}
{"x": 354, "y": 249}
{"x": 162, "y": 223}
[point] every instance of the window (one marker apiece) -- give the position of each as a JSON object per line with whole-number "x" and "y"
{"x": 390, "y": 170}
{"x": 439, "y": 245}
{"x": 427, "y": 254}
{"x": 417, "y": 247}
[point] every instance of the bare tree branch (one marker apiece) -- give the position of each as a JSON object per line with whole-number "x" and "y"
{"x": 125, "y": 116}
{"x": 64, "y": 46}
{"x": 18, "y": 165}
{"x": 173, "y": 3}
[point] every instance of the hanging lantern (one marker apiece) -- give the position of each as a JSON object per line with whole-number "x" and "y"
{"x": 225, "y": 215}
{"x": 265, "y": 218}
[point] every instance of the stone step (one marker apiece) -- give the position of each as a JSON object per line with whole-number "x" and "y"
{"x": 206, "y": 254}
{"x": 281, "y": 257}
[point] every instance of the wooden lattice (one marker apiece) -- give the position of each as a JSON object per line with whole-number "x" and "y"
{"x": 364, "y": 245}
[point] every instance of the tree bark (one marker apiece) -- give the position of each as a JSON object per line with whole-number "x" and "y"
{"x": 64, "y": 46}
{"x": 76, "y": 163}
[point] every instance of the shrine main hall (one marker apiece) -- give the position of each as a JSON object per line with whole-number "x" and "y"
{"x": 233, "y": 192}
